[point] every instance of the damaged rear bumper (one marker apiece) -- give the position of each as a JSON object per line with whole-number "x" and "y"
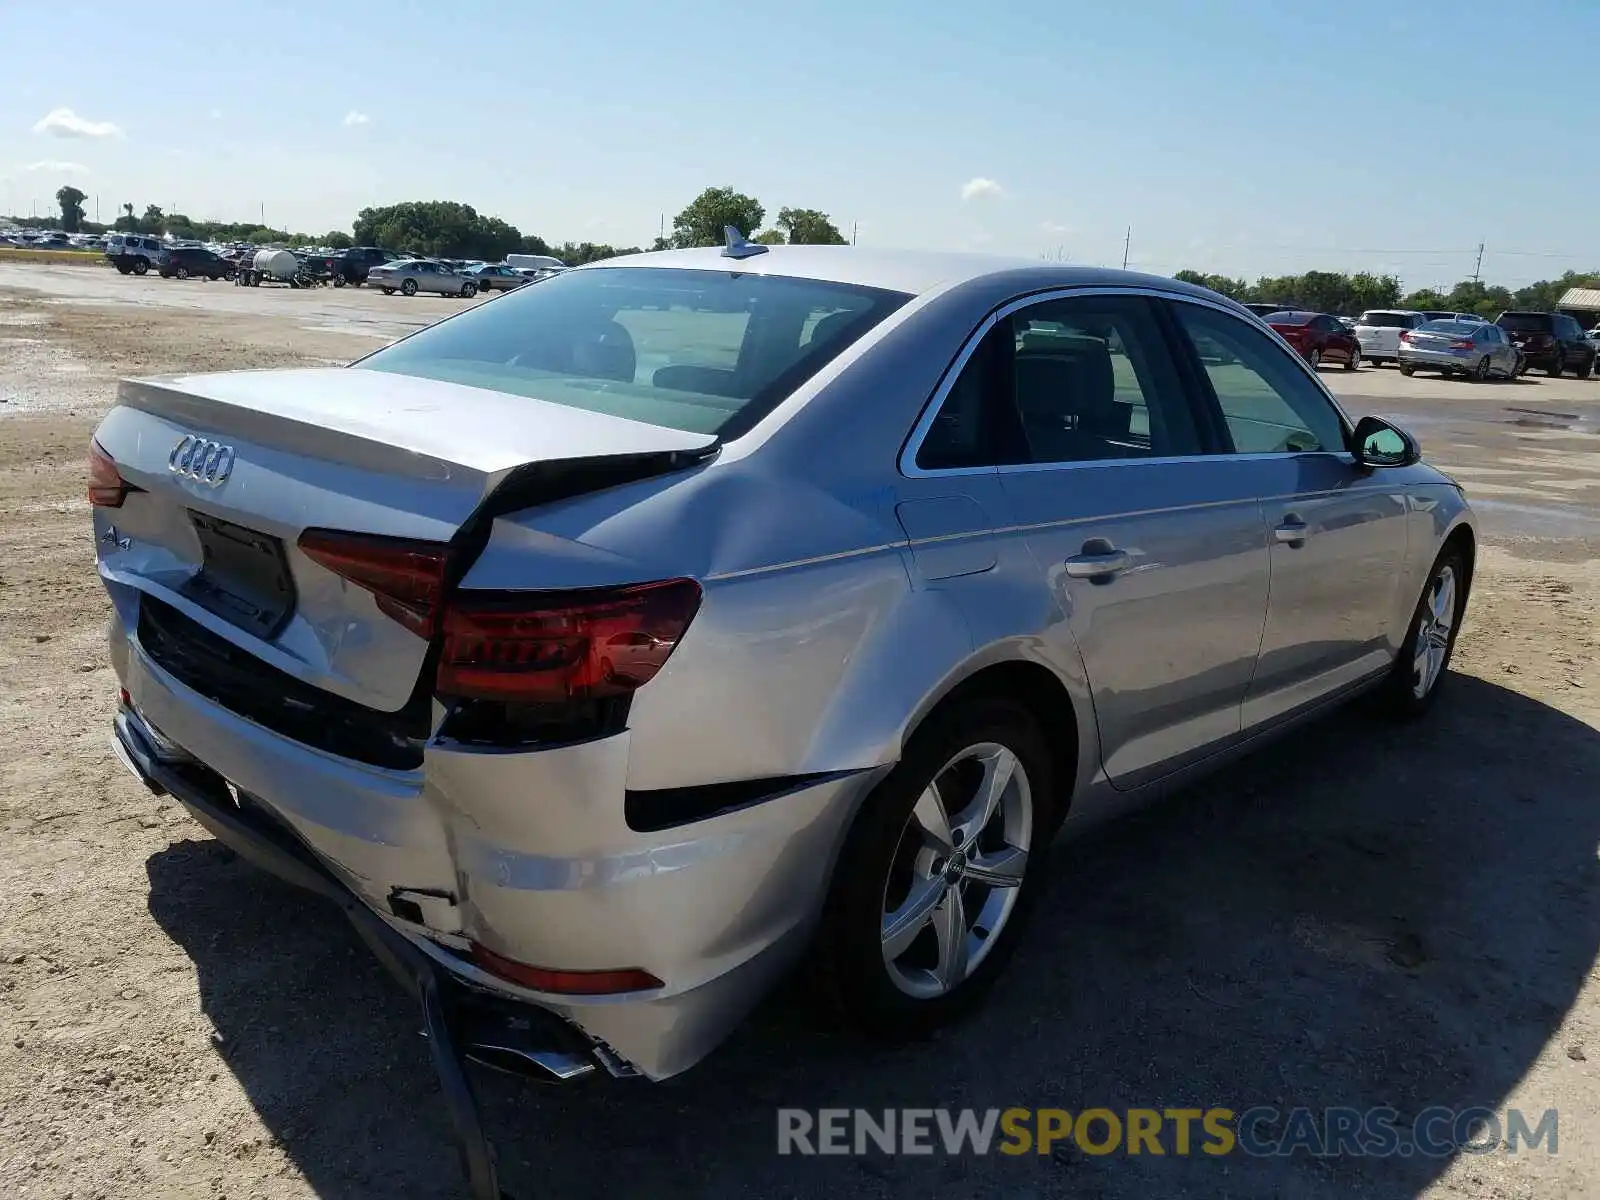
{"x": 458, "y": 1022}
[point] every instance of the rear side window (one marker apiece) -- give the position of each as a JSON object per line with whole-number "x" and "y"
{"x": 700, "y": 351}
{"x": 1082, "y": 379}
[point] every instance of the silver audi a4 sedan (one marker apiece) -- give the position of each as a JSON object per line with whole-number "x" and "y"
{"x": 619, "y": 645}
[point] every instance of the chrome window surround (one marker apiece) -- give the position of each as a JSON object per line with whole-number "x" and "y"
{"x": 919, "y": 432}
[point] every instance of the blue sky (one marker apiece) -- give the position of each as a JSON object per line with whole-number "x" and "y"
{"x": 1233, "y": 135}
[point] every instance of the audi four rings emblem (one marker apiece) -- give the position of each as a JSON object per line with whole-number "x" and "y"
{"x": 203, "y": 461}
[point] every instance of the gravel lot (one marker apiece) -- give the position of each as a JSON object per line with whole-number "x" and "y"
{"x": 1359, "y": 916}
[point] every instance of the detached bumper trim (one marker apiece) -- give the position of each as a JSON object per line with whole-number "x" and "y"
{"x": 195, "y": 787}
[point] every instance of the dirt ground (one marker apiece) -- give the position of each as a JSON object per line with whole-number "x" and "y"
{"x": 1358, "y": 916}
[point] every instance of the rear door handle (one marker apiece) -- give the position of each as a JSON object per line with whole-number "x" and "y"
{"x": 1099, "y": 561}
{"x": 1292, "y": 531}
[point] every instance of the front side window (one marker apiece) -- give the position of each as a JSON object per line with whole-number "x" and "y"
{"x": 700, "y": 351}
{"x": 1268, "y": 403}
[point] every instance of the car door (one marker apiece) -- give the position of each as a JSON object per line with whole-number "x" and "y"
{"x": 1337, "y": 533}
{"x": 1149, "y": 555}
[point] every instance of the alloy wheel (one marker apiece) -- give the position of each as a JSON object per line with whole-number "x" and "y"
{"x": 958, "y": 870}
{"x": 1434, "y": 625}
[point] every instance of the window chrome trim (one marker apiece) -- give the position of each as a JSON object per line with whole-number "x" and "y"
{"x": 930, "y": 412}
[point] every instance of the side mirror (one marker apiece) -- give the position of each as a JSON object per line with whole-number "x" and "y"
{"x": 1376, "y": 443}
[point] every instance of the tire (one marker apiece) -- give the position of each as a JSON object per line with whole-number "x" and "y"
{"x": 468, "y": 290}
{"x": 141, "y": 266}
{"x": 409, "y": 287}
{"x": 1315, "y": 359}
{"x": 123, "y": 269}
{"x": 1407, "y": 369}
{"x": 897, "y": 994}
{"x": 388, "y": 291}
{"x": 338, "y": 281}
{"x": 1554, "y": 369}
{"x": 1403, "y": 695}
{"x": 1354, "y": 361}
{"x": 182, "y": 272}
{"x": 1481, "y": 371}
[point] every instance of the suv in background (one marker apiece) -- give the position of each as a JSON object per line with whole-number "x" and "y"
{"x": 1379, "y": 329}
{"x": 135, "y": 252}
{"x": 1551, "y": 342}
{"x": 355, "y": 262}
{"x": 186, "y": 261}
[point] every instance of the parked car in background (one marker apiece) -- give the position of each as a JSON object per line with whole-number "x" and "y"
{"x": 357, "y": 261}
{"x": 184, "y": 262}
{"x": 411, "y": 276}
{"x": 599, "y": 699}
{"x": 1593, "y": 338}
{"x": 1552, "y": 342}
{"x": 1475, "y": 348}
{"x": 1266, "y": 310}
{"x": 134, "y": 253}
{"x": 1379, "y": 329}
{"x": 1318, "y": 337}
{"x": 496, "y": 277}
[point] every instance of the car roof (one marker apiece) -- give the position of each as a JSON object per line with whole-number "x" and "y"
{"x": 912, "y": 271}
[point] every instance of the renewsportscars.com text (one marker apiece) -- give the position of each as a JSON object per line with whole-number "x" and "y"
{"x": 1262, "y": 1131}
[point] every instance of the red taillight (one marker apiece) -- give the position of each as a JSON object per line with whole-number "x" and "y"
{"x": 1462, "y": 344}
{"x": 1406, "y": 337}
{"x": 552, "y": 647}
{"x": 404, "y": 575}
{"x": 571, "y": 983}
{"x": 107, "y": 487}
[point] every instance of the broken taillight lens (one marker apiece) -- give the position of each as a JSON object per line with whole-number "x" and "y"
{"x": 552, "y": 647}
{"x": 107, "y": 487}
{"x": 404, "y": 575}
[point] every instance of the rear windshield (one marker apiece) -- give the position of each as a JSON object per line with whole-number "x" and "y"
{"x": 700, "y": 351}
{"x": 1525, "y": 322}
{"x": 1453, "y": 328}
{"x": 1290, "y": 318}
{"x": 1385, "y": 320}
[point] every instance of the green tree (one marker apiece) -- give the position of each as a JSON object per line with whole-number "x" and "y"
{"x": 71, "y": 201}
{"x": 127, "y": 222}
{"x": 1236, "y": 288}
{"x": 1372, "y": 291}
{"x": 443, "y": 228}
{"x": 154, "y": 220}
{"x": 335, "y": 239}
{"x": 808, "y": 227}
{"x": 701, "y": 223}
{"x": 769, "y": 237}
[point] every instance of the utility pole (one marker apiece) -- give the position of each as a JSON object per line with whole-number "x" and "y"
{"x": 1127, "y": 240}
{"x": 1477, "y": 270}
{"x": 854, "y": 225}
{"x": 661, "y": 236}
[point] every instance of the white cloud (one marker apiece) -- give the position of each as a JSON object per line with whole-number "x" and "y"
{"x": 63, "y": 122}
{"x": 354, "y": 118}
{"x": 216, "y": 114}
{"x": 56, "y": 167}
{"x": 1055, "y": 227}
{"x": 979, "y": 188}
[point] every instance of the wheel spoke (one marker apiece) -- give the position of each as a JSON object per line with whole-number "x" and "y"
{"x": 930, "y": 816}
{"x": 1003, "y": 868}
{"x": 1444, "y": 602}
{"x": 950, "y": 928}
{"x": 998, "y": 768}
{"x": 900, "y": 928}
